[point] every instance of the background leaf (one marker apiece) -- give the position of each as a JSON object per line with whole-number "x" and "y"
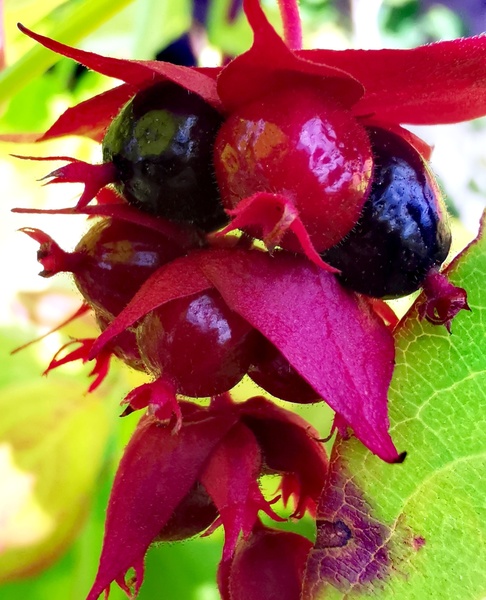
{"x": 53, "y": 442}
{"x": 430, "y": 512}
{"x": 80, "y": 19}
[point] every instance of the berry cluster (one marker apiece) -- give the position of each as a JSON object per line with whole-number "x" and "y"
{"x": 251, "y": 220}
{"x": 364, "y": 196}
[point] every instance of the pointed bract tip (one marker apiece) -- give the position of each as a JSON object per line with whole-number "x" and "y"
{"x": 50, "y": 255}
{"x": 400, "y": 458}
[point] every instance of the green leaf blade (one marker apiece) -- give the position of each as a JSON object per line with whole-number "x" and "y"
{"x": 434, "y": 505}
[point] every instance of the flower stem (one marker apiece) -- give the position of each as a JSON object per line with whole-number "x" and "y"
{"x": 289, "y": 11}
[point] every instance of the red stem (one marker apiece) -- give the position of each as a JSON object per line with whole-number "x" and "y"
{"x": 289, "y": 12}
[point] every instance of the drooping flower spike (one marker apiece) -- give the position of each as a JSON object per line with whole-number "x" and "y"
{"x": 309, "y": 155}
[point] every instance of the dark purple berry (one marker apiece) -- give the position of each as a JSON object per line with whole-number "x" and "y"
{"x": 124, "y": 345}
{"x": 161, "y": 144}
{"x": 198, "y": 343}
{"x": 114, "y": 258}
{"x": 273, "y": 373}
{"x": 403, "y": 231}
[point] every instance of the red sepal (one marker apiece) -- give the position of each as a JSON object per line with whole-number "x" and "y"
{"x": 290, "y": 446}
{"x": 94, "y": 177}
{"x": 157, "y": 471}
{"x": 270, "y": 63}
{"x": 443, "y": 82}
{"x": 443, "y": 300}
{"x": 91, "y": 117}
{"x": 184, "y": 236}
{"x": 274, "y": 219}
{"x": 102, "y": 360}
{"x": 231, "y": 479}
{"x": 159, "y": 397}
{"x": 82, "y": 310}
{"x": 50, "y": 255}
{"x": 136, "y": 72}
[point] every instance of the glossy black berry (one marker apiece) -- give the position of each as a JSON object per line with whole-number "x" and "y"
{"x": 161, "y": 144}
{"x": 403, "y": 230}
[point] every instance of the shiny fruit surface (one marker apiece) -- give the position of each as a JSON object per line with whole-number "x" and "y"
{"x": 115, "y": 259}
{"x": 403, "y": 231}
{"x": 161, "y": 144}
{"x": 302, "y": 144}
{"x": 198, "y": 342}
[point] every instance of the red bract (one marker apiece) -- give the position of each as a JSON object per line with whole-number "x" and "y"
{"x": 268, "y": 565}
{"x": 168, "y": 485}
{"x": 330, "y": 337}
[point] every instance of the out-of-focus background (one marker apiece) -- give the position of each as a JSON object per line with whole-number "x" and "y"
{"x": 59, "y": 446}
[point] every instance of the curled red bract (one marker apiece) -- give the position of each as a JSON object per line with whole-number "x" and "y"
{"x": 218, "y": 449}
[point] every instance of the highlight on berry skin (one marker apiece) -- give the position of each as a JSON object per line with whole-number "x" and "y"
{"x": 248, "y": 227}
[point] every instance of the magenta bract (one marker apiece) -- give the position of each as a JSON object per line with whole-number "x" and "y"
{"x": 268, "y": 565}
{"x": 353, "y": 363}
{"x": 216, "y": 447}
{"x": 332, "y": 339}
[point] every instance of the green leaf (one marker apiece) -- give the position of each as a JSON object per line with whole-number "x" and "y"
{"x": 417, "y": 530}
{"x": 52, "y": 442}
{"x": 183, "y": 570}
{"x": 78, "y": 20}
{"x": 231, "y": 38}
{"x": 158, "y": 23}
